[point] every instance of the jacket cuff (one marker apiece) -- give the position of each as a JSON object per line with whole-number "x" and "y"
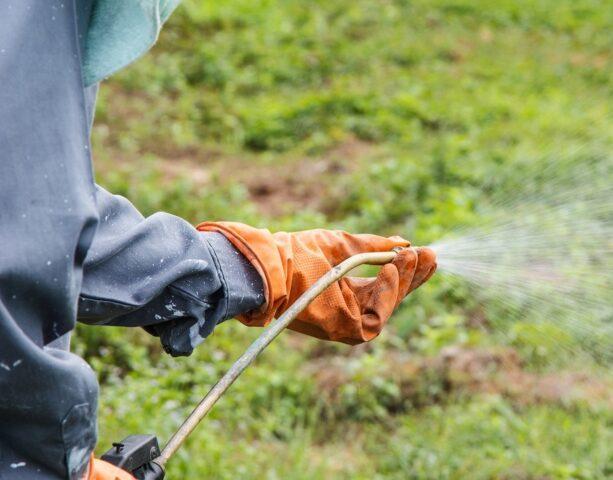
{"x": 243, "y": 286}
{"x": 186, "y": 318}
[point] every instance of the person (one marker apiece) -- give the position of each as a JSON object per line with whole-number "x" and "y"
{"x": 72, "y": 251}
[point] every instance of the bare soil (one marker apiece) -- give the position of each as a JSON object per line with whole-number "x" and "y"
{"x": 459, "y": 370}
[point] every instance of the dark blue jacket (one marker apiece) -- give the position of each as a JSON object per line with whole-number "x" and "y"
{"x": 70, "y": 250}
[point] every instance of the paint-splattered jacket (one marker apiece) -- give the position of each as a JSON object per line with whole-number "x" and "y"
{"x": 69, "y": 249}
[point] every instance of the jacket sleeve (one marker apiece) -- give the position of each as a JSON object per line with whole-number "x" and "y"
{"x": 160, "y": 273}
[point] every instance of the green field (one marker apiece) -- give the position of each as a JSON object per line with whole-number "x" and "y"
{"x": 392, "y": 117}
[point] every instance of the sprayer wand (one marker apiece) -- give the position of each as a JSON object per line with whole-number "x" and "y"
{"x": 139, "y": 453}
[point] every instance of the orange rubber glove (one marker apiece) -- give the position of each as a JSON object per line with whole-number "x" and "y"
{"x": 101, "y": 470}
{"x": 353, "y": 310}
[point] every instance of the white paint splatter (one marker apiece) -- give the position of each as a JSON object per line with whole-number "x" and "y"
{"x": 77, "y": 458}
{"x": 172, "y": 308}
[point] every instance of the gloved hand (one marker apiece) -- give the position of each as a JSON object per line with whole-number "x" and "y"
{"x": 101, "y": 470}
{"x": 353, "y": 310}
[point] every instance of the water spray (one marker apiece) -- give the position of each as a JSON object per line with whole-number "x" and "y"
{"x": 541, "y": 259}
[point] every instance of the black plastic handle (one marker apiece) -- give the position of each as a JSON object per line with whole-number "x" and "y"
{"x": 136, "y": 454}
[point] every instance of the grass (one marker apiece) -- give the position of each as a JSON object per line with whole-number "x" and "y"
{"x": 384, "y": 116}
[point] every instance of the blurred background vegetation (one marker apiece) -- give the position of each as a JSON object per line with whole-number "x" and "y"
{"x": 384, "y": 116}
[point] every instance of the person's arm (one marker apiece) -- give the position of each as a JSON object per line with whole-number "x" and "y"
{"x": 162, "y": 274}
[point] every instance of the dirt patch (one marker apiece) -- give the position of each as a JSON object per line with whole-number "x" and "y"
{"x": 291, "y": 184}
{"x": 287, "y": 189}
{"x": 500, "y": 371}
{"x": 301, "y": 183}
{"x": 198, "y": 173}
{"x": 458, "y": 370}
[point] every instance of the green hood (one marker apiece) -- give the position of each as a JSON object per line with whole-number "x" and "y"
{"x": 119, "y": 32}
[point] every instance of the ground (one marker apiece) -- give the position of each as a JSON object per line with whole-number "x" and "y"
{"x": 383, "y": 116}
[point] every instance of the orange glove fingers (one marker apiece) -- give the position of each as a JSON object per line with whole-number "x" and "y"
{"x": 377, "y": 302}
{"x": 415, "y": 266}
{"x": 426, "y": 266}
{"x": 406, "y": 263}
{"x": 366, "y": 304}
{"x": 378, "y": 298}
